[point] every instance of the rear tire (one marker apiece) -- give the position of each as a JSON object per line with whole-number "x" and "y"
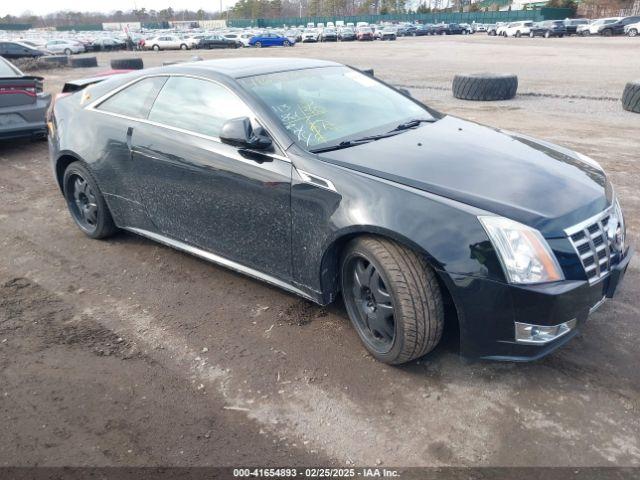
{"x": 258, "y": 44}
{"x": 393, "y": 299}
{"x": 86, "y": 203}
{"x": 286, "y": 43}
{"x": 67, "y": 51}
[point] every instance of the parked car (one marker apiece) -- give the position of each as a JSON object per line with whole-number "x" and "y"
{"x": 632, "y": 29}
{"x": 573, "y": 24}
{"x": 106, "y": 44}
{"x": 501, "y": 29}
{"x": 310, "y": 35}
{"x": 270, "y": 40}
{"x": 23, "y": 103}
{"x": 346, "y": 34}
{"x": 19, "y": 50}
{"x": 595, "y": 25}
{"x": 193, "y": 41}
{"x": 467, "y": 29}
{"x": 65, "y": 47}
{"x": 239, "y": 37}
{"x": 166, "y": 42}
{"x": 422, "y": 30}
{"x": 480, "y": 27}
{"x": 492, "y": 29}
{"x": 364, "y": 34}
{"x": 448, "y": 29}
{"x": 329, "y": 34}
{"x": 548, "y": 28}
{"x": 316, "y": 207}
{"x": 518, "y": 29}
{"x": 218, "y": 41}
{"x": 617, "y": 28}
{"x": 387, "y": 33}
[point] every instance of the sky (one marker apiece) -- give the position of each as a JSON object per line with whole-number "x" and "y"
{"x": 41, "y": 7}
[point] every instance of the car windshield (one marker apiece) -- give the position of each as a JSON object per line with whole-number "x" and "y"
{"x": 322, "y": 107}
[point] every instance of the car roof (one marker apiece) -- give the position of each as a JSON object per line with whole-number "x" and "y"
{"x": 246, "y": 67}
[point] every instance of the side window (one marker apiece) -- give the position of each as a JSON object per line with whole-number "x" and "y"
{"x": 136, "y": 100}
{"x": 196, "y": 105}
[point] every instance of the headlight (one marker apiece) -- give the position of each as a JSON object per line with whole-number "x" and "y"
{"x": 618, "y": 235}
{"x": 523, "y": 252}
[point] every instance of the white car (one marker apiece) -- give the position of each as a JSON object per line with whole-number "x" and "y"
{"x": 240, "y": 37}
{"x": 501, "y": 29}
{"x": 65, "y": 47}
{"x": 194, "y": 40}
{"x": 166, "y": 42}
{"x": 632, "y": 30}
{"x": 310, "y": 35}
{"x": 518, "y": 29}
{"x": 592, "y": 28}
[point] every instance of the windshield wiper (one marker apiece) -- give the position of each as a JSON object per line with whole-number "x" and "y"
{"x": 353, "y": 143}
{"x": 359, "y": 141}
{"x": 413, "y": 123}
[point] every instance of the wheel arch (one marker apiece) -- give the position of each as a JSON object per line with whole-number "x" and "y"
{"x": 62, "y": 162}
{"x": 330, "y": 267}
{"x": 330, "y": 263}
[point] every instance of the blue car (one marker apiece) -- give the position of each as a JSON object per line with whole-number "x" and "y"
{"x": 271, "y": 40}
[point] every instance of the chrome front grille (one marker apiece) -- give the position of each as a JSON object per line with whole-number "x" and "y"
{"x": 591, "y": 242}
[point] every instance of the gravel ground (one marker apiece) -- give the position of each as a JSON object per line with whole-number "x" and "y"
{"x": 125, "y": 352}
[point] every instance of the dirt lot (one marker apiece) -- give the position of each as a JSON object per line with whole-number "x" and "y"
{"x": 125, "y": 352}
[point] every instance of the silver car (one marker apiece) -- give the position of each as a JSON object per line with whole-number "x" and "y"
{"x": 64, "y": 47}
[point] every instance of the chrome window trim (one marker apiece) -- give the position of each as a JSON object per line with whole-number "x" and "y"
{"x": 93, "y": 107}
{"x": 219, "y": 260}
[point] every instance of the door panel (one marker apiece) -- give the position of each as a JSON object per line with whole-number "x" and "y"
{"x": 204, "y": 193}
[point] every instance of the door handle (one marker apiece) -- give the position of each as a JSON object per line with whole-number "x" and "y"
{"x": 129, "y": 135}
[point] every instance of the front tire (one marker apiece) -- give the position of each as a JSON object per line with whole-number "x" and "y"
{"x": 86, "y": 203}
{"x": 67, "y": 51}
{"x": 393, "y": 299}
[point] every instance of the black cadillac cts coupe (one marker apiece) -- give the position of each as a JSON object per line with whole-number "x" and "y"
{"x": 321, "y": 180}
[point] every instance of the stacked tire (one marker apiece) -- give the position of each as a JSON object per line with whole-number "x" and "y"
{"x": 83, "y": 62}
{"x": 127, "y": 64}
{"x": 485, "y": 86}
{"x": 631, "y": 97}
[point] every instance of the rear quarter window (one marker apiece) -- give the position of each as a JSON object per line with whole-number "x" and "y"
{"x": 135, "y": 100}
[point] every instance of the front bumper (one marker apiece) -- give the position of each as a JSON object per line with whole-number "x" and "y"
{"x": 488, "y": 311}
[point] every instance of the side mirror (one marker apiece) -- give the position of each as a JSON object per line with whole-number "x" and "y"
{"x": 239, "y": 133}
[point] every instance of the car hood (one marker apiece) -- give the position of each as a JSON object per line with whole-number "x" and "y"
{"x": 534, "y": 182}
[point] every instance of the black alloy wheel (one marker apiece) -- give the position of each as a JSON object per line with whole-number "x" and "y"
{"x": 82, "y": 203}
{"x": 370, "y": 302}
{"x": 393, "y": 299}
{"x": 86, "y": 203}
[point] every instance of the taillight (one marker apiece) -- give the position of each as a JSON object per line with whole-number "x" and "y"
{"x": 18, "y": 89}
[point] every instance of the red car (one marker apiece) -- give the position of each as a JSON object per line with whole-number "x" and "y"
{"x": 364, "y": 33}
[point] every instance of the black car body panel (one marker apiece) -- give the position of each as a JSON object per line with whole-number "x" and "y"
{"x": 18, "y": 50}
{"x": 617, "y": 28}
{"x": 549, "y": 28}
{"x": 285, "y": 215}
{"x": 218, "y": 42}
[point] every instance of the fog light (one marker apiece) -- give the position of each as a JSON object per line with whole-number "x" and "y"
{"x": 538, "y": 334}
